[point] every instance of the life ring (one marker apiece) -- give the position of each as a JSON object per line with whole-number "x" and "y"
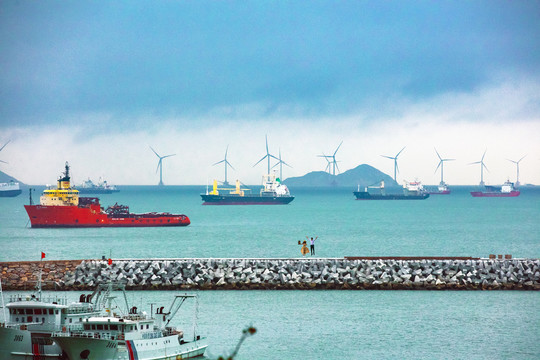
{"x": 64, "y": 329}
{"x": 178, "y": 357}
{"x": 121, "y": 337}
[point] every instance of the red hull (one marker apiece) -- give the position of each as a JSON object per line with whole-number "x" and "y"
{"x": 513, "y": 193}
{"x": 446, "y": 192}
{"x": 77, "y": 216}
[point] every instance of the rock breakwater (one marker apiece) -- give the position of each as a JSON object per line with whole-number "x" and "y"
{"x": 209, "y": 274}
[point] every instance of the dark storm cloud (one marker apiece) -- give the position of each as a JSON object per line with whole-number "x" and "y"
{"x": 187, "y": 58}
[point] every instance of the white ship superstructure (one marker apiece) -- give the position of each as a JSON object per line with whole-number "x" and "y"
{"x": 134, "y": 336}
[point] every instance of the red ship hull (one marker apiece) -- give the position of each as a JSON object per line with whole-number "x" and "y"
{"x": 513, "y": 193}
{"x": 42, "y": 216}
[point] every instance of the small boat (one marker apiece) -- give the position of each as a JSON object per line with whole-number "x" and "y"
{"x": 10, "y": 189}
{"x": 506, "y": 190}
{"x": 133, "y": 336}
{"x": 62, "y": 207}
{"x": 272, "y": 193}
{"x": 411, "y": 191}
{"x": 442, "y": 189}
{"x": 102, "y": 187}
{"x": 27, "y": 332}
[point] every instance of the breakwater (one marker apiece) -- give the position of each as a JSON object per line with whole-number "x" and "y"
{"x": 245, "y": 274}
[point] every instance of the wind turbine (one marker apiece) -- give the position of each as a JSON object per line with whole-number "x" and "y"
{"x": 267, "y": 156}
{"x": 2, "y": 149}
{"x": 281, "y": 163}
{"x": 227, "y": 163}
{"x": 441, "y": 165}
{"x": 159, "y": 165}
{"x": 396, "y": 169}
{"x": 515, "y": 162}
{"x": 482, "y": 166}
{"x": 333, "y": 162}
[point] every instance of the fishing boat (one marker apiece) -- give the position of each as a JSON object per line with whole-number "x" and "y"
{"x": 273, "y": 192}
{"x": 102, "y": 187}
{"x": 506, "y": 190}
{"x": 10, "y": 189}
{"x": 62, "y": 207}
{"x": 411, "y": 191}
{"x": 133, "y": 336}
{"x": 32, "y": 319}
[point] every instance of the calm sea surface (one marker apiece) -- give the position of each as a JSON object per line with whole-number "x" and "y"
{"x": 323, "y": 324}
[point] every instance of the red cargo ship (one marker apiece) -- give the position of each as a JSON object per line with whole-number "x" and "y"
{"x": 62, "y": 207}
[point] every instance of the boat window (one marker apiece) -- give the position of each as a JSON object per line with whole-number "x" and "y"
{"x": 56, "y": 312}
{"x": 100, "y": 327}
{"x": 37, "y": 311}
{"x": 147, "y": 326}
{"x": 93, "y": 327}
{"x": 51, "y": 311}
{"x": 20, "y": 311}
{"x": 29, "y": 319}
{"x": 86, "y": 327}
{"x": 114, "y": 327}
{"x": 16, "y": 319}
{"x": 43, "y": 320}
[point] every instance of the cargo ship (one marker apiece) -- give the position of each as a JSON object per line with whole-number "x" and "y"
{"x": 62, "y": 207}
{"x": 506, "y": 190}
{"x": 411, "y": 191}
{"x": 272, "y": 193}
{"x": 10, "y": 189}
{"x": 102, "y": 187}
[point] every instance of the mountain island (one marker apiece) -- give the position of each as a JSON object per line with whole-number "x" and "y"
{"x": 363, "y": 175}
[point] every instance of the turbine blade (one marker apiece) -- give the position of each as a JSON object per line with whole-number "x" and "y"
{"x": 5, "y": 145}
{"x": 476, "y": 162}
{"x": 400, "y": 151}
{"x": 338, "y": 148}
{"x": 518, "y": 160}
{"x": 155, "y": 152}
{"x": 228, "y": 163}
{"x": 158, "y": 165}
{"x": 438, "y": 154}
{"x": 388, "y": 157}
{"x": 264, "y": 157}
{"x": 438, "y": 166}
{"x": 484, "y": 155}
{"x": 5, "y": 162}
{"x": 219, "y": 162}
{"x": 166, "y": 156}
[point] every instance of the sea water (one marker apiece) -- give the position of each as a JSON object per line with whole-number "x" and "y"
{"x": 323, "y": 324}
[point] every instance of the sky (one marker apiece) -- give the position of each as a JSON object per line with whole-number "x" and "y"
{"x": 99, "y": 83}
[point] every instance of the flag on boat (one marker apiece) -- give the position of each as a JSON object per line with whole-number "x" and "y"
{"x": 42, "y": 255}
{"x": 109, "y": 262}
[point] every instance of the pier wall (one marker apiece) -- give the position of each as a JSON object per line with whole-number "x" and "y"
{"x": 247, "y": 274}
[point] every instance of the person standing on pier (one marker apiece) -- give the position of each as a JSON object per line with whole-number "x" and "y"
{"x": 312, "y": 244}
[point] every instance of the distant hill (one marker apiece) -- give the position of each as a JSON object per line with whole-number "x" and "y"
{"x": 6, "y": 178}
{"x": 363, "y": 175}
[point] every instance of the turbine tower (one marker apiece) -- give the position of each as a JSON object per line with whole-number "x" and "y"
{"x": 281, "y": 163}
{"x": 332, "y": 162}
{"x": 441, "y": 165}
{"x": 159, "y": 165}
{"x": 267, "y": 156}
{"x": 227, "y": 163}
{"x": 396, "y": 169}
{"x": 482, "y": 166}
{"x": 517, "y": 168}
{"x": 2, "y": 149}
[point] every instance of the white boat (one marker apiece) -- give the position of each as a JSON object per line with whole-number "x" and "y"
{"x": 132, "y": 336}
{"x": 10, "y": 189}
{"x": 30, "y": 321}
